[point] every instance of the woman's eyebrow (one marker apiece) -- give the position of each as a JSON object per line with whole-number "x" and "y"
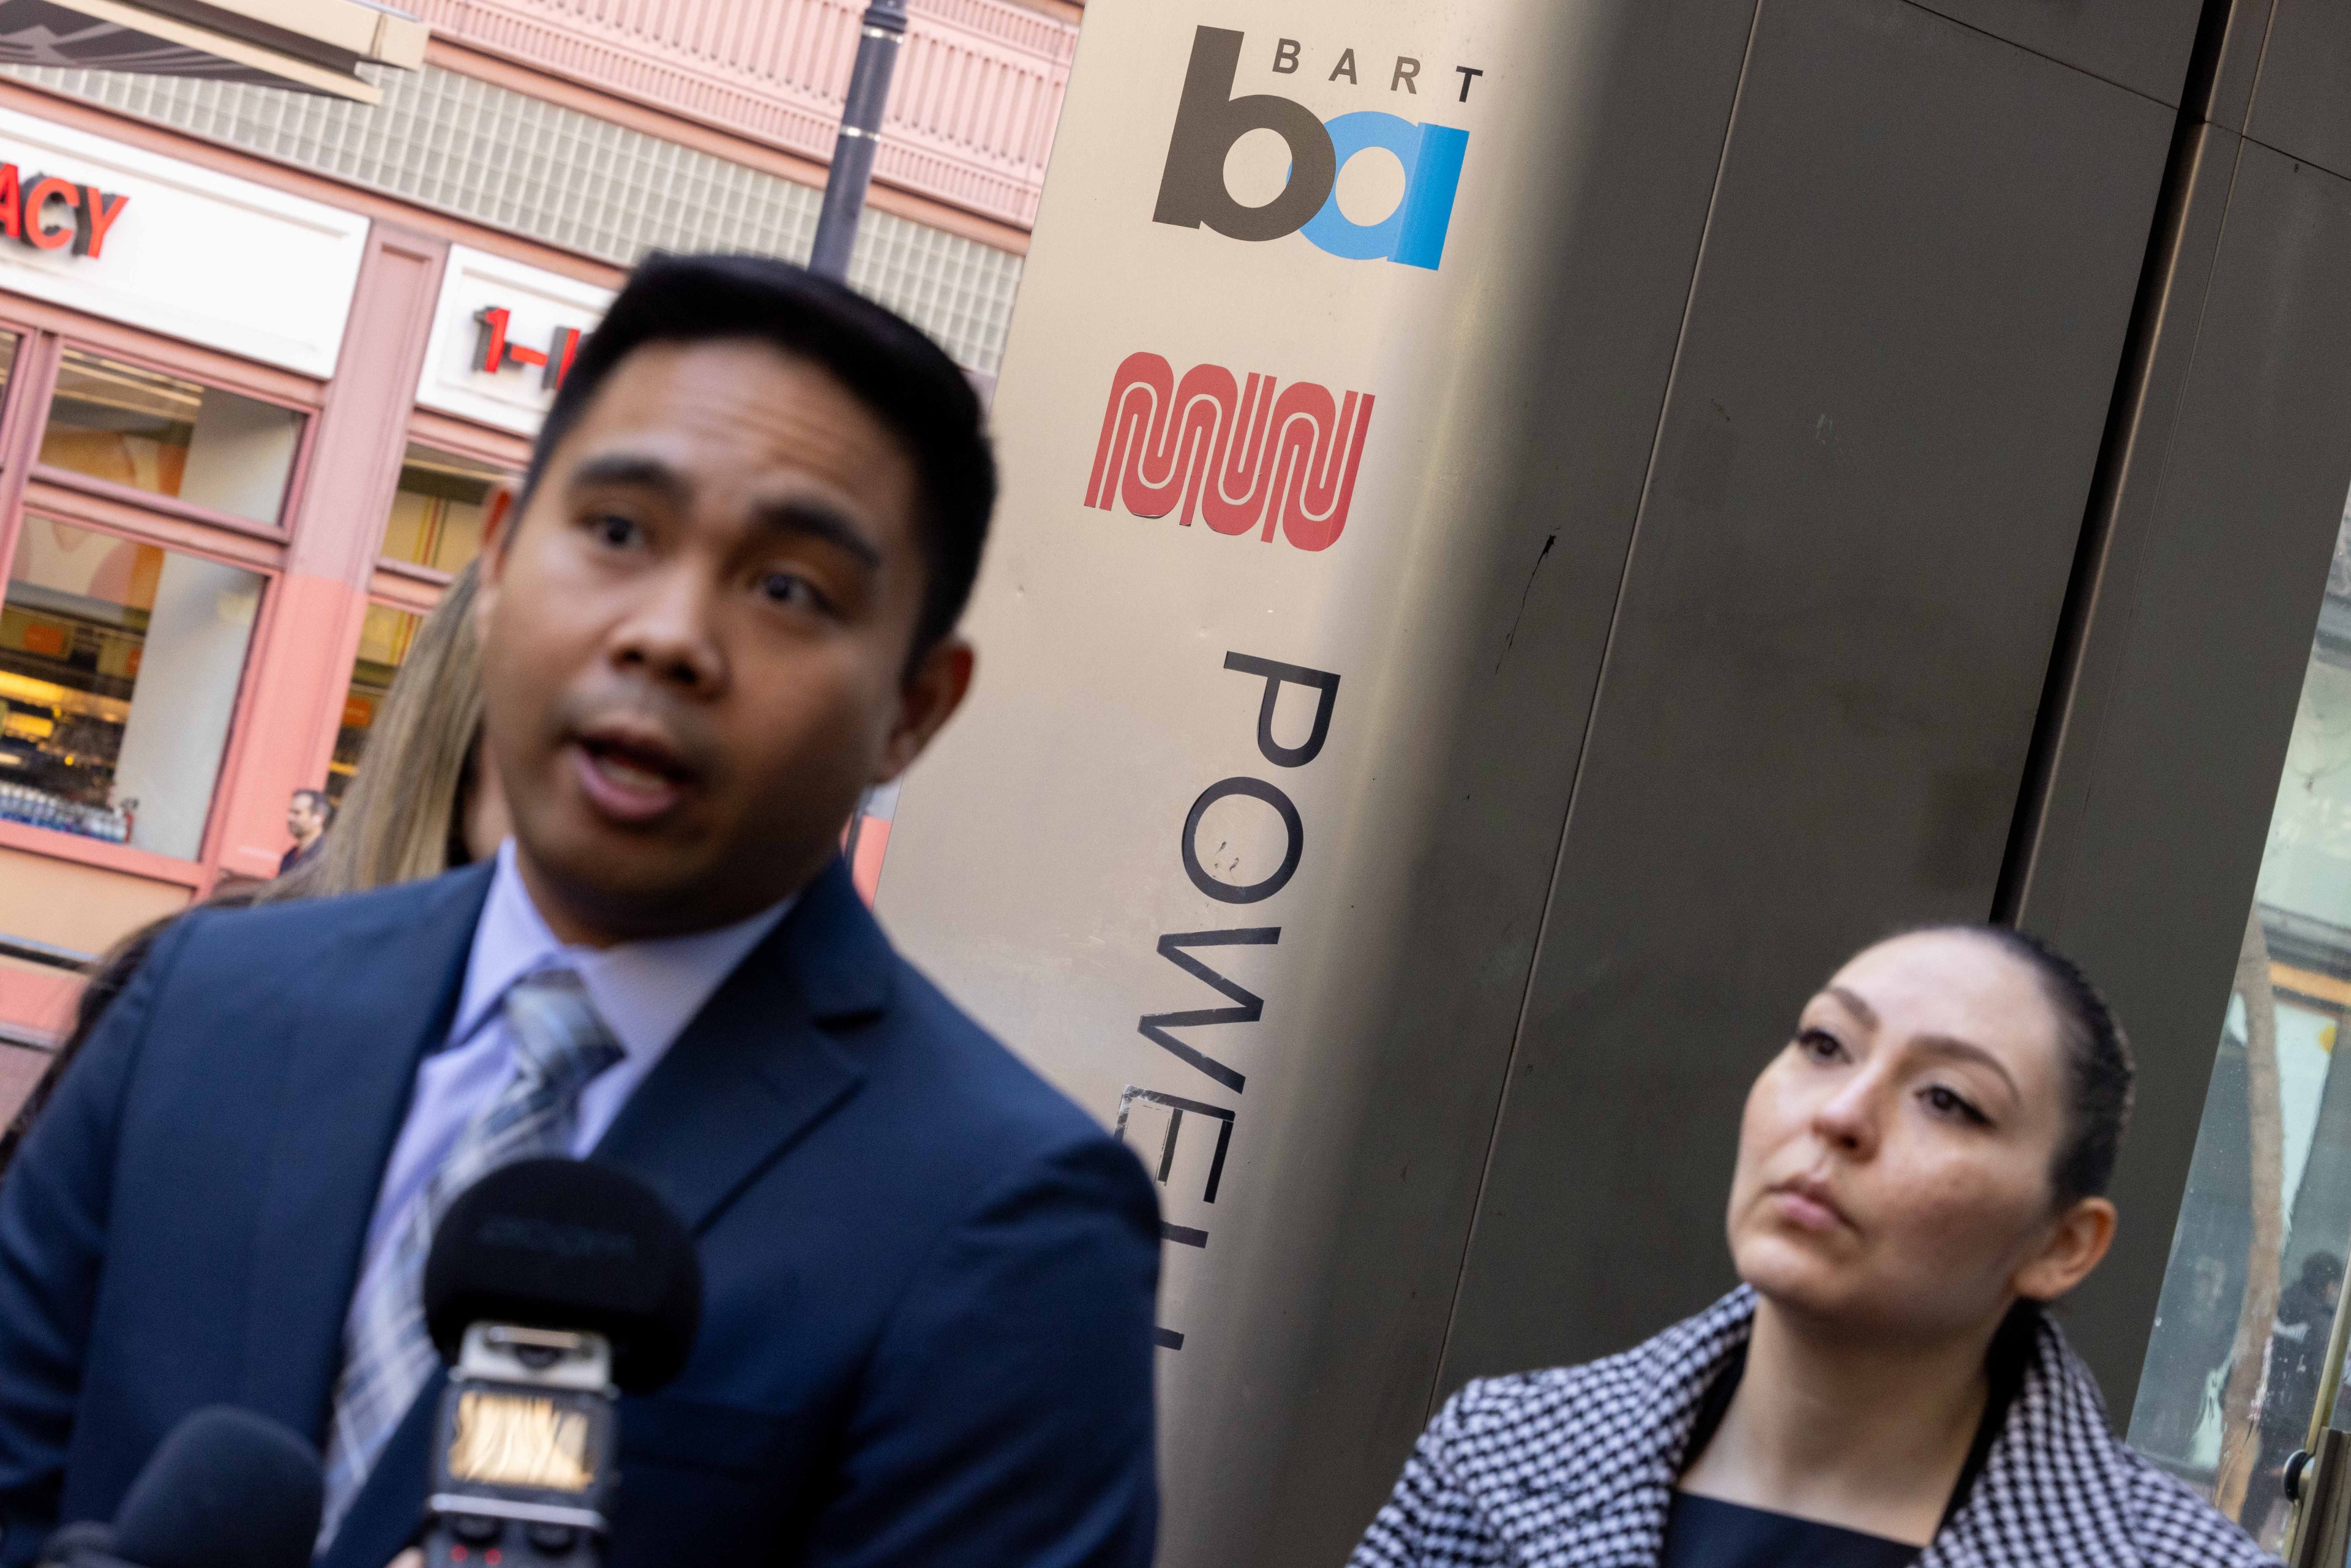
{"x": 1853, "y": 1005}
{"x": 1965, "y": 1051}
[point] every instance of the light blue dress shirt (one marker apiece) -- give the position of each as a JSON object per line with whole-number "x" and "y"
{"x": 647, "y": 993}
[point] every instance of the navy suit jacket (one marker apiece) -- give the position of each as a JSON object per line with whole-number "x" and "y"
{"x": 928, "y": 1278}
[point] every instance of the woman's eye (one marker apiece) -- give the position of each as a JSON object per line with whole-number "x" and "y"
{"x": 1819, "y": 1045}
{"x": 1945, "y": 1101}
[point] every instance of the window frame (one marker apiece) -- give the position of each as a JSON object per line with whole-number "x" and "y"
{"x": 32, "y": 491}
{"x": 279, "y": 529}
{"x": 398, "y": 582}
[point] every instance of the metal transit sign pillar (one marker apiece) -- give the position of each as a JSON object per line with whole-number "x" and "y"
{"x": 885, "y": 30}
{"x": 1264, "y": 393}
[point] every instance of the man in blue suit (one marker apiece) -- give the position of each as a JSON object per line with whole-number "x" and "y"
{"x": 724, "y": 608}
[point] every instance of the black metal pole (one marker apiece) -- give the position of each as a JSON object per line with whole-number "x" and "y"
{"x": 861, "y": 129}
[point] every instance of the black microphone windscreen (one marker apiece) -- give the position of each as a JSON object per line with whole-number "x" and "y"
{"x": 84, "y": 1541}
{"x": 227, "y": 1488}
{"x": 569, "y": 1244}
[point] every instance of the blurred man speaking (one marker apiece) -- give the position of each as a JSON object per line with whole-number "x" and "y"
{"x": 726, "y": 607}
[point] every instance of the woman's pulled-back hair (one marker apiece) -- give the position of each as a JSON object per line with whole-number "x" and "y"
{"x": 2099, "y": 1069}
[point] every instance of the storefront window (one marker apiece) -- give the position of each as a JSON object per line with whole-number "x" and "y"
{"x": 384, "y": 639}
{"x": 118, "y": 671}
{"x": 157, "y": 433}
{"x": 2233, "y": 1367}
{"x": 438, "y": 512}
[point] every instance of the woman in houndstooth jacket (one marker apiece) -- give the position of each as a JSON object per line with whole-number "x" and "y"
{"x": 1919, "y": 1170}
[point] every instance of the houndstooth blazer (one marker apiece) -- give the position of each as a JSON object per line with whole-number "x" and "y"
{"x": 1575, "y": 1467}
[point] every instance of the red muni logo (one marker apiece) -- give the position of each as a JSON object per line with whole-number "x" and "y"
{"x": 1243, "y": 456}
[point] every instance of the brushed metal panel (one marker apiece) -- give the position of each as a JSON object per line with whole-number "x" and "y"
{"x": 1619, "y": 267}
{"x": 2142, "y": 44}
{"x": 2302, "y": 106}
{"x": 2169, "y": 761}
{"x": 1835, "y": 630}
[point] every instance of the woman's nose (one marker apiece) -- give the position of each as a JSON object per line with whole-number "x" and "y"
{"x": 1849, "y": 1117}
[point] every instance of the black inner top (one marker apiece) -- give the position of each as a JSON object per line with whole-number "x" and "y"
{"x": 1704, "y": 1533}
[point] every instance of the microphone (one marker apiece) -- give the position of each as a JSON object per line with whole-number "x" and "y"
{"x": 553, "y": 1286}
{"x": 227, "y": 1488}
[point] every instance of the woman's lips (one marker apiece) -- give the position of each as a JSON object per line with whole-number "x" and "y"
{"x": 1807, "y": 1206}
{"x": 622, "y": 788}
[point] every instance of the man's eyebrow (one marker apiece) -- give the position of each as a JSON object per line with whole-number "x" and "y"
{"x": 1853, "y": 1005}
{"x": 815, "y": 519}
{"x": 632, "y": 469}
{"x": 1965, "y": 1051}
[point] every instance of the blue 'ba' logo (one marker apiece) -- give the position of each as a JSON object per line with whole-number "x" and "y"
{"x": 1210, "y": 120}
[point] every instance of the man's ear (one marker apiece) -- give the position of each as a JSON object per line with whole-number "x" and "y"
{"x": 2076, "y": 1243}
{"x": 497, "y": 524}
{"x": 926, "y": 701}
{"x": 497, "y": 528}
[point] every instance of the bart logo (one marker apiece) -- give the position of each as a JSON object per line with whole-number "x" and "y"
{"x": 1210, "y": 120}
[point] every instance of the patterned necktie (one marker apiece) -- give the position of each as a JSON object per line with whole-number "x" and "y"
{"x": 560, "y": 1045}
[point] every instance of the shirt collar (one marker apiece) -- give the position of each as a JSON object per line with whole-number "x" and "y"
{"x": 645, "y": 992}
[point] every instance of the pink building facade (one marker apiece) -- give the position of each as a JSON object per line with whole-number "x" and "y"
{"x": 263, "y": 359}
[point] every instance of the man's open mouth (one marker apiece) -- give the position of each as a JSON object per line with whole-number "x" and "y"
{"x": 629, "y": 777}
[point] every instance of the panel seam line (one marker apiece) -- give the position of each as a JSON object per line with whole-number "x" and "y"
{"x": 1591, "y": 717}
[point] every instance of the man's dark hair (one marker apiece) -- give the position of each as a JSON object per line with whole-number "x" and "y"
{"x": 884, "y": 361}
{"x": 318, "y": 802}
{"x": 2099, "y": 1070}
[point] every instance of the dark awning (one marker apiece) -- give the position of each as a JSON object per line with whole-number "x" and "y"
{"x": 309, "y": 45}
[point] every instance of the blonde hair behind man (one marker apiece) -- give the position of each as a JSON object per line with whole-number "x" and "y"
{"x": 404, "y": 816}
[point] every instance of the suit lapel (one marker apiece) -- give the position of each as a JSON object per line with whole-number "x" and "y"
{"x": 353, "y": 1046}
{"x": 757, "y": 1066}
{"x": 753, "y": 1070}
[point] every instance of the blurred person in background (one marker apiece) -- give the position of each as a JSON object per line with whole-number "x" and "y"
{"x": 2297, "y": 1359}
{"x": 1921, "y": 1171}
{"x": 723, "y": 607}
{"x": 421, "y": 803}
{"x": 306, "y": 816}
